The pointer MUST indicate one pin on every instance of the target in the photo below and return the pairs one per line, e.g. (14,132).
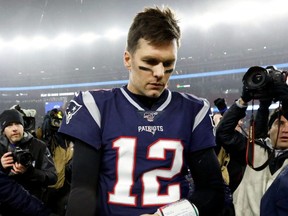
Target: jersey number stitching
(125,166)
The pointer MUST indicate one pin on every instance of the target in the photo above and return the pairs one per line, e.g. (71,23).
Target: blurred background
(50,49)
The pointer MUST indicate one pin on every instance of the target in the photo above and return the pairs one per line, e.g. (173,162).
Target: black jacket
(41,173)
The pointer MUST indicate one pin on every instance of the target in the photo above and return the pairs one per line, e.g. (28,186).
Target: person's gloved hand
(246,95)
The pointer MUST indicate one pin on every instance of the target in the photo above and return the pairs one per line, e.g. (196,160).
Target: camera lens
(25,159)
(255,77)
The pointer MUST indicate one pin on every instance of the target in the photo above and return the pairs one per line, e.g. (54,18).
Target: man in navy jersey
(134,145)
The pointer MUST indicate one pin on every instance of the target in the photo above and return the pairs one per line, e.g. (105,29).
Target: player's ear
(127,60)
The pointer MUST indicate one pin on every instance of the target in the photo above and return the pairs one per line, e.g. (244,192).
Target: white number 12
(126,156)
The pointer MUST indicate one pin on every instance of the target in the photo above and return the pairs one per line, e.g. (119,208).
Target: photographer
(271,150)
(229,159)
(24,157)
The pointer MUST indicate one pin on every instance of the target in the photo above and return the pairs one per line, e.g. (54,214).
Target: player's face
(150,67)
(282,140)
(14,132)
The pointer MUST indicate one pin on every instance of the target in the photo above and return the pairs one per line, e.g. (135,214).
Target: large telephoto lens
(255,77)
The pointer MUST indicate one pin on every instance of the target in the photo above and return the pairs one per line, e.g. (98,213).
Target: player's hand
(7,160)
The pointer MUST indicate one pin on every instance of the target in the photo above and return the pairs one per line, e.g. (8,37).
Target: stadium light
(88,38)
(237,12)
(64,40)
(40,42)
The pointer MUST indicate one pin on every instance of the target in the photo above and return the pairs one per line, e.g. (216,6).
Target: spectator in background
(271,151)
(24,157)
(232,168)
(62,151)
(134,144)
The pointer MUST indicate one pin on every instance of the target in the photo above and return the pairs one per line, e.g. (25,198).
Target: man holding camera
(265,155)
(24,157)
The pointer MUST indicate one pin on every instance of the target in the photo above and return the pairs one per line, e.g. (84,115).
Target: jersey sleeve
(82,120)
(203,130)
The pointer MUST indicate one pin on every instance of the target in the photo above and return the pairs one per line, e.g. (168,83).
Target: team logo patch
(150,115)
(71,110)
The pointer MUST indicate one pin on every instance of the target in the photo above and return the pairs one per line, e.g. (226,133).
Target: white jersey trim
(202,113)
(134,103)
(131,100)
(92,107)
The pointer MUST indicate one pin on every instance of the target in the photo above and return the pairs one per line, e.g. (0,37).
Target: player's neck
(144,100)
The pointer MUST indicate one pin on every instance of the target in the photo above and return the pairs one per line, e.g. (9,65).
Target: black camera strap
(250,148)
(250,156)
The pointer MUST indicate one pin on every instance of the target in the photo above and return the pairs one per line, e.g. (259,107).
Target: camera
(28,117)
(259,81)
(23,157)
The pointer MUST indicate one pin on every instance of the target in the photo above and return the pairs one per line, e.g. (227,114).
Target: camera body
(259,81)
(23,157)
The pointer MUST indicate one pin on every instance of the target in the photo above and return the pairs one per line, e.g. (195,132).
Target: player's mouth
(156,85)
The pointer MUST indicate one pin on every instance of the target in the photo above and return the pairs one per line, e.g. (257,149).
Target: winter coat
(41,173)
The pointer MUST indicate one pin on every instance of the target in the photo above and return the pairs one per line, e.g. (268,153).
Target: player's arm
(208,196)
(85,173)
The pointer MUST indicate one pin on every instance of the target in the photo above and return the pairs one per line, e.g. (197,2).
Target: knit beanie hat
(10,116)
(277,113)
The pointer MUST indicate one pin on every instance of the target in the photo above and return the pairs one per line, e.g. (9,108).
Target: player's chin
(154,93)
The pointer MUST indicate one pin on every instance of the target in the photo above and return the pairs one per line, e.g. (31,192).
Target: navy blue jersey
(143,149)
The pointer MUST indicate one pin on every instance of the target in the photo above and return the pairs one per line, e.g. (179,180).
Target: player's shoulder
(190,98)
(103,92)
(99,94)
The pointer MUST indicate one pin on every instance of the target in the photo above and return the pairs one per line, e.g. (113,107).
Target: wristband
(179,208)
(241,103)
